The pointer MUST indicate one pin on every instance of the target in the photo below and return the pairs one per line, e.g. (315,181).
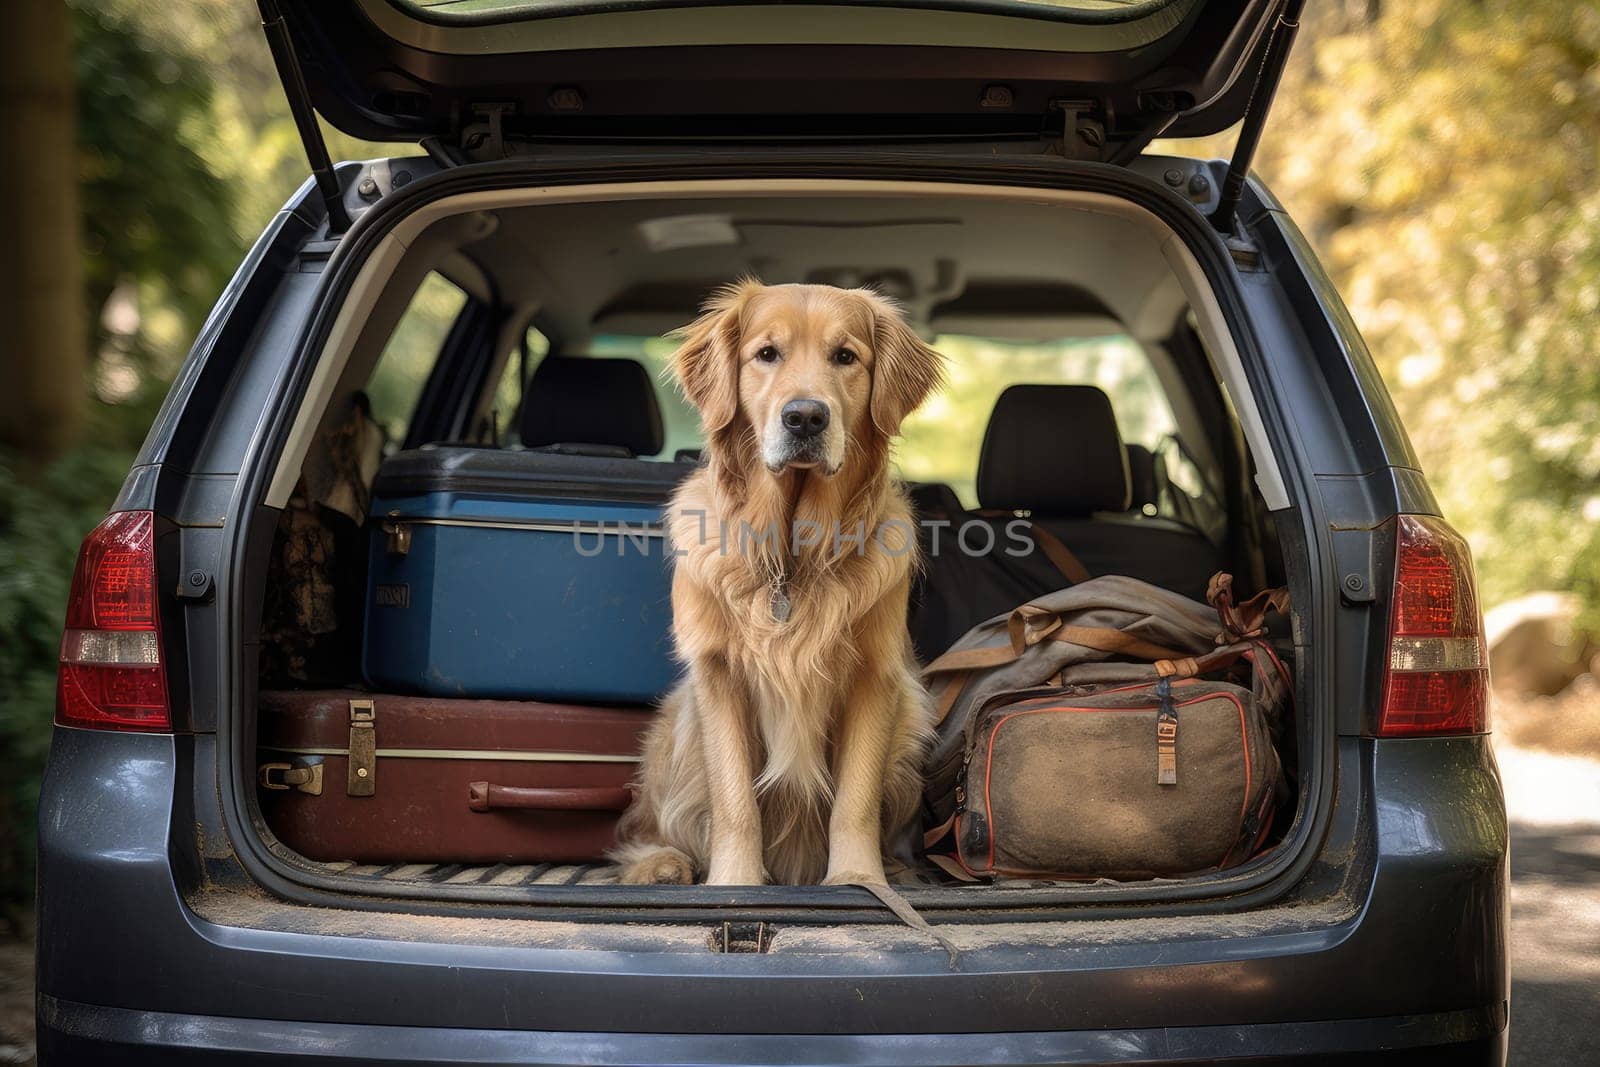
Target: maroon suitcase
(373,778)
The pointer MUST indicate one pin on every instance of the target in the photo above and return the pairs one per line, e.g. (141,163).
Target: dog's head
(809,369)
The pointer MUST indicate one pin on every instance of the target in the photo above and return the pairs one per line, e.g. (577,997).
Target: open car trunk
(429,506)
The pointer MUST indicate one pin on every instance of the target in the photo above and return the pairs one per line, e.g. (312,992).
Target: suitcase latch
(363,773)
(397,537)
(307,779)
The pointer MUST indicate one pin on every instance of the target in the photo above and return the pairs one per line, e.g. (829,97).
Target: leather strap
(1194,666)
(486,796)
(1166,735)
(1105,639)
(1247,619)
(903,911)
(971,659)
(948,696)
(1062,557)
(949,866)
(1055,550)
(1028,626)
(931,837)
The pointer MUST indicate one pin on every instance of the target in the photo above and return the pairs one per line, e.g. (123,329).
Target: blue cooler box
(508,574)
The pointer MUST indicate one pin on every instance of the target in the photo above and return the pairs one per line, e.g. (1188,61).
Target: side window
(506,408)
(680,423)
(412,349)
(943,439)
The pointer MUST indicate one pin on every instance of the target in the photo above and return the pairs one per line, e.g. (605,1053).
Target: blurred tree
(1442,157)
(41,298)
(158,224)
(155,227)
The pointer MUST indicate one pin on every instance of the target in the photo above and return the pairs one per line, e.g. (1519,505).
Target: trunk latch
(731,937)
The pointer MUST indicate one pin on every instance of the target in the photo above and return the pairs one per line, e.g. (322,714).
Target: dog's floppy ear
(707,362)
(905,369)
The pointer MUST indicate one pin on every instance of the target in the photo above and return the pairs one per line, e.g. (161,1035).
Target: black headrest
(1053,450)
(585,401)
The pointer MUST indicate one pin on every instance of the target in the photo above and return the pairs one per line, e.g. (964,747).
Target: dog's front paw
(662,866)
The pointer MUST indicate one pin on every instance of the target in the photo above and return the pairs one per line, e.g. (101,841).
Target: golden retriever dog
(795,738)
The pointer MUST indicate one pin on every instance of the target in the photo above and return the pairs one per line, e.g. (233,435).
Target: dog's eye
(767,354)
(844,357)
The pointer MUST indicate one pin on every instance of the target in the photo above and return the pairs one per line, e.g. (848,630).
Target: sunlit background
(1443,157)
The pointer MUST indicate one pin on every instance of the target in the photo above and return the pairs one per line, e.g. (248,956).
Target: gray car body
(166,934)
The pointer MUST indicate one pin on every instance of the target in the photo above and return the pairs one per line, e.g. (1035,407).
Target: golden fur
(790,747)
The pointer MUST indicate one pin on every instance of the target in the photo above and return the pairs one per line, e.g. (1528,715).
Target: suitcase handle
(486,796)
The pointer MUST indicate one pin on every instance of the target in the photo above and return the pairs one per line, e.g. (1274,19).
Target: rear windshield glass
(412,350)
(940,442)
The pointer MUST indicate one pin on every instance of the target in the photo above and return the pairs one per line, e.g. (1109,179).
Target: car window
(413,348)
(680,423)
(505,408)
(942,439)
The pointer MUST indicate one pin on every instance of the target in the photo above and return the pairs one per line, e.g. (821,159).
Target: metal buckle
(397,538)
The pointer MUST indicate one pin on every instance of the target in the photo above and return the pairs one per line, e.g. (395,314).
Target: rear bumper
(1396,939)
(81,1033)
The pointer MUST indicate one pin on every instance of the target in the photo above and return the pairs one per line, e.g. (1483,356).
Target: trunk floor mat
(493,874)
(528,874)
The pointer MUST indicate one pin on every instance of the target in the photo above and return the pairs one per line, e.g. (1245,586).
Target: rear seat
(1054,452)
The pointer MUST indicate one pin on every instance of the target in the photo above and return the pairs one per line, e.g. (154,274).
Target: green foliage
(186,150)
(154,212)
(44,514)
(408,356)
(157,221)
(1442,157)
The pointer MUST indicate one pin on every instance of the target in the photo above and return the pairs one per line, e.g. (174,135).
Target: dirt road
(1554,803)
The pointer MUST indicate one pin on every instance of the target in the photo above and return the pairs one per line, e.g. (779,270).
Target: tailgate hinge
(362,779)
(1083,129)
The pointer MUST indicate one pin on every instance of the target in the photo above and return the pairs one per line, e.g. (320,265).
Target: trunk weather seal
(1249,886)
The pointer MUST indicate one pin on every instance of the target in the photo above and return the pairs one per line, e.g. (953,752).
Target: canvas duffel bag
(1126,657)
(1153,780)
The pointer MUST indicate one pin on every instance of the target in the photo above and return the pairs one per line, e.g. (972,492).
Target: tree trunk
(43,346)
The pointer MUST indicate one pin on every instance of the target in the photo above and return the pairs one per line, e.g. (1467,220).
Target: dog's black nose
(805,418)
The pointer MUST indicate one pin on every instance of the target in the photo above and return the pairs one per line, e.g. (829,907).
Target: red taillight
(111,676)
(1438,676)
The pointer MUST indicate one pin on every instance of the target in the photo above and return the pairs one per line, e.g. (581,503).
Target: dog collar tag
(780,602)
